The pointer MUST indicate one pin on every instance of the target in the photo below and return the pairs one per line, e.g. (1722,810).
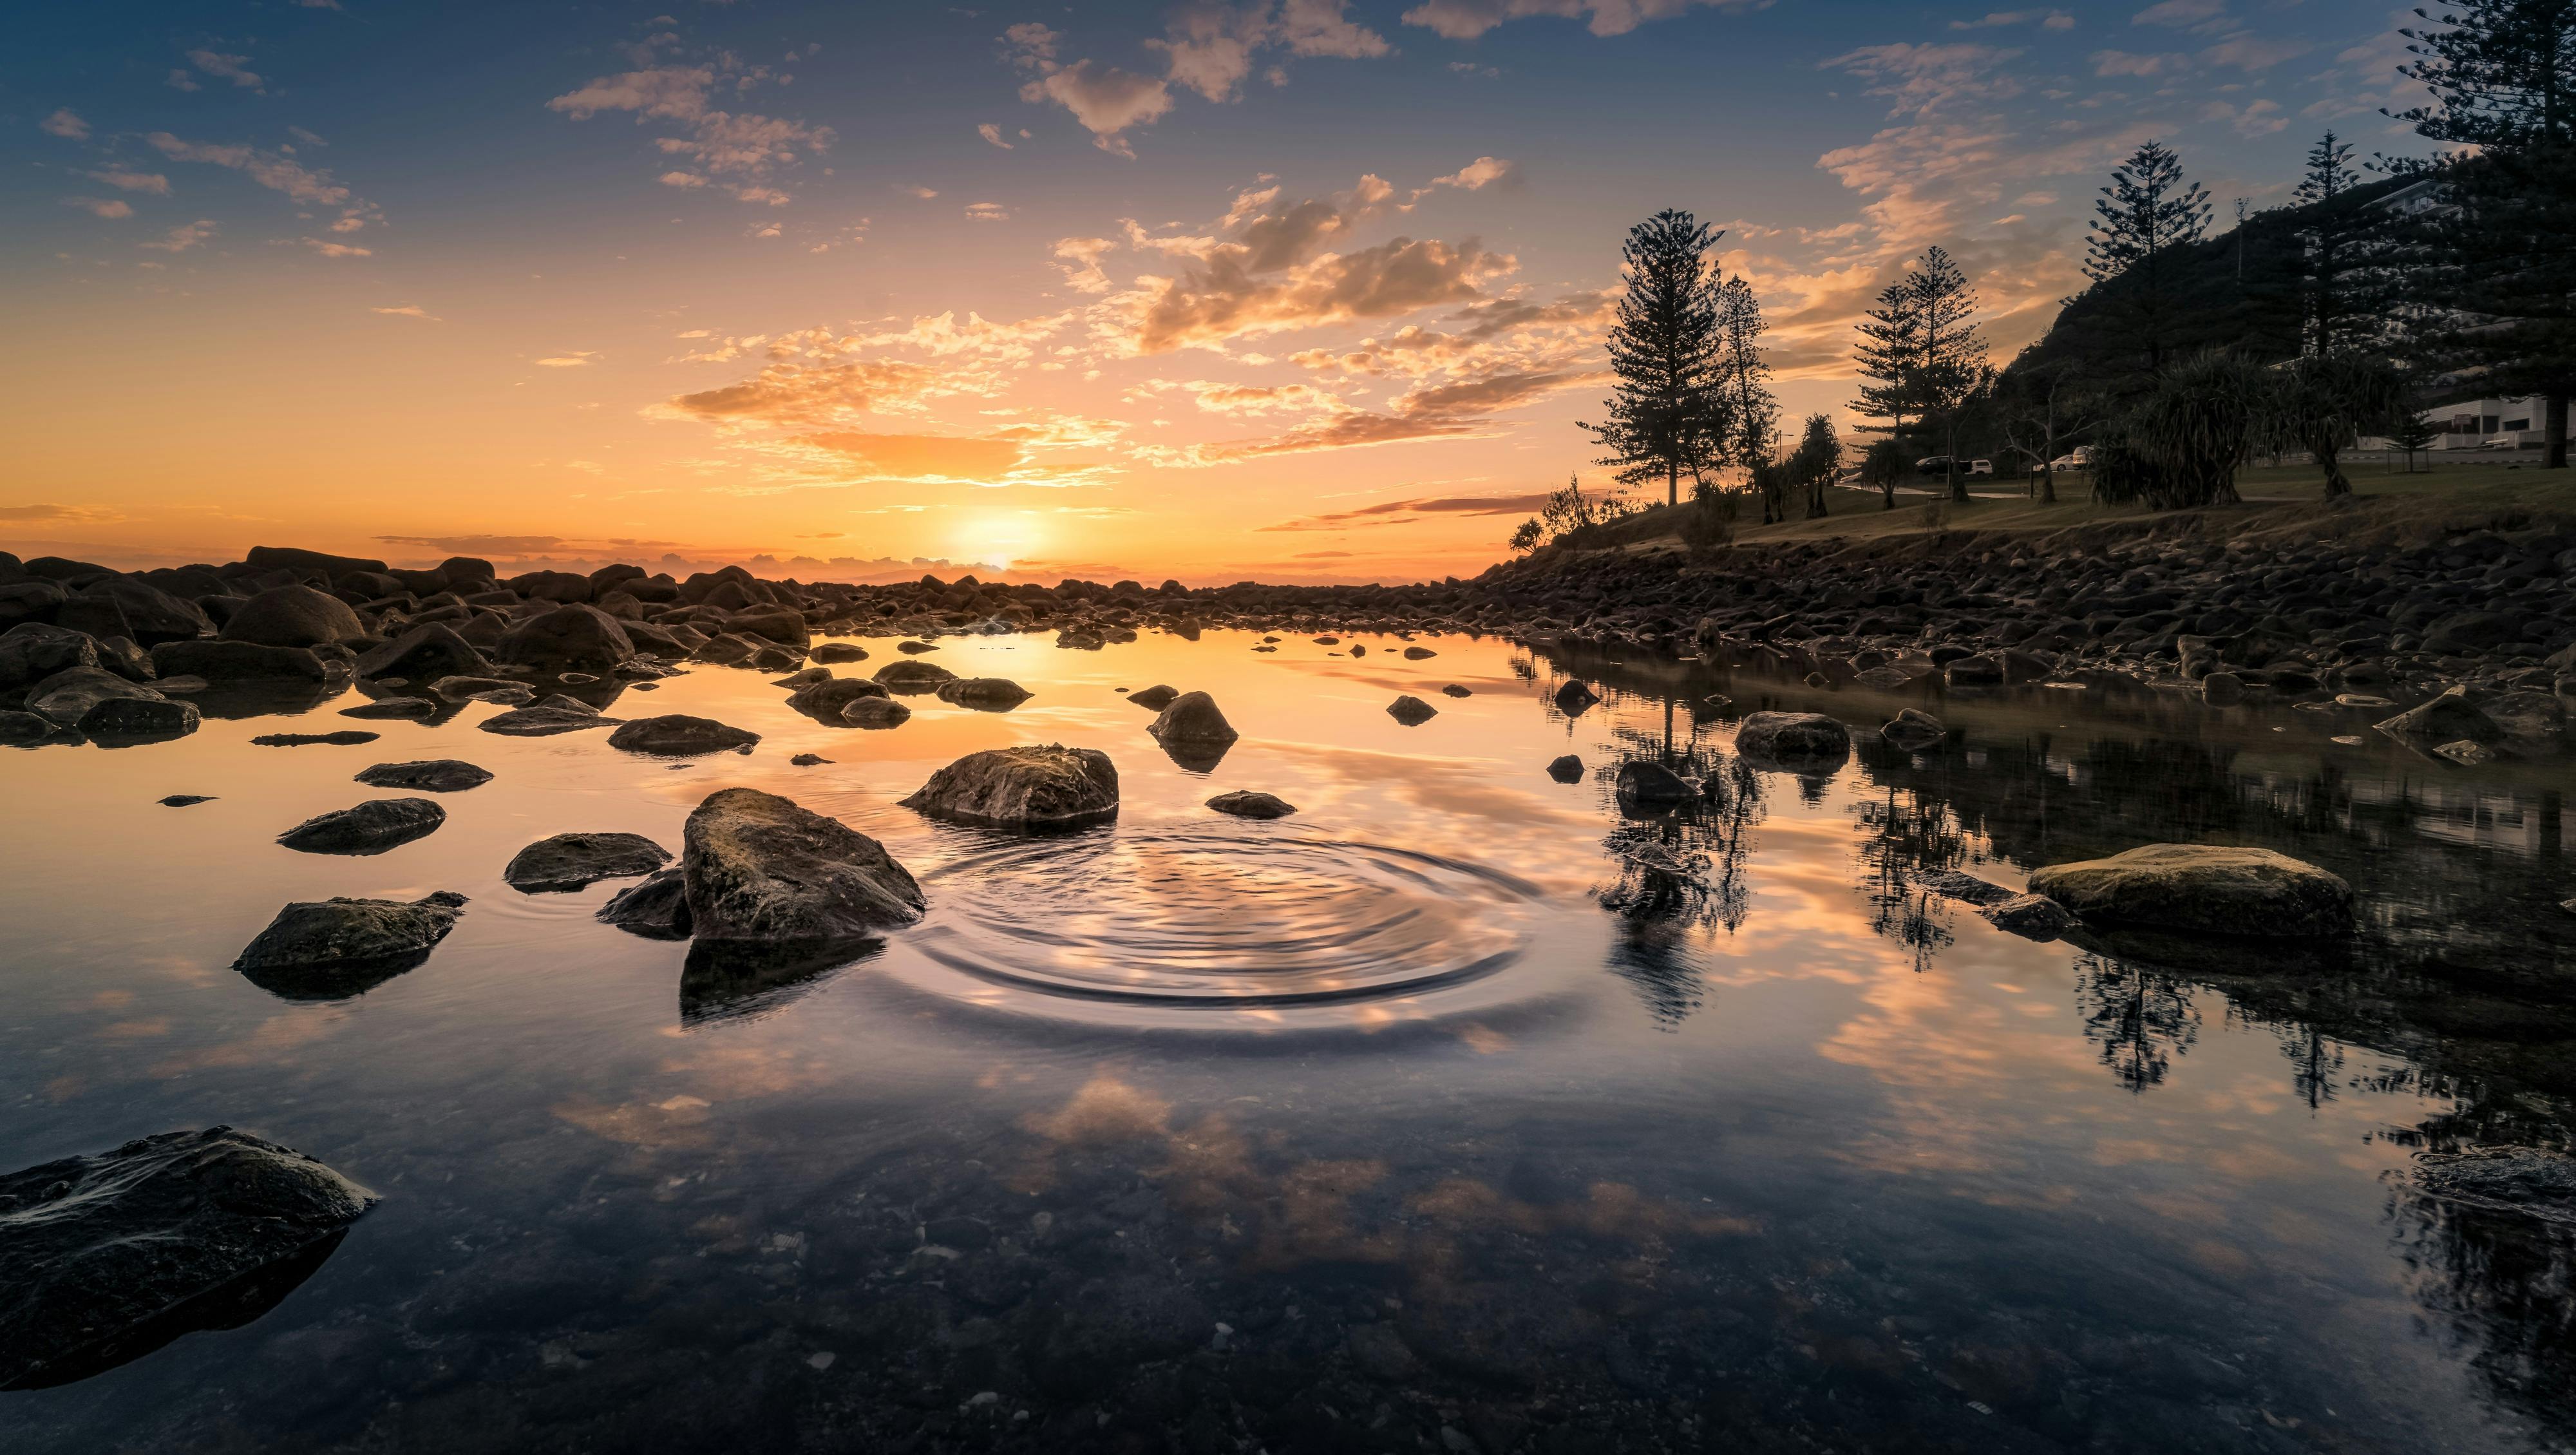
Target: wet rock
(760,868)
(425,654)
(1574,697)
(1192,717)
(1653,785)
(104,1259)
(829,700)
(913,648)
(1156,697)
(2538,718)
(576,638)
(2447,718)
(1805,741)
(1411,711)
(2534,1181)
(875,712)
(2220,689)
(913,676)
(68,696)
(1379,1352)
(799,681)
(1454,690)
(1974,672)
(1079,641)
(2031,916)
(1567,769)
(985,694)
(344,738)
(243,662)
(185,800)
(139,719)
(657,908)
(1252,803)
(25,727)
(1968,888)
(32,651)
(504,690)
(372,827)
(1025,788)
(808,760)
(829,652)
(2468,753)
(572,861)
(426,775)
(293,616)
(332,934)
(1416,654)
(2203,888)
(678,734)
(1913,730)
(1883,678)
(556,714)
(393,707)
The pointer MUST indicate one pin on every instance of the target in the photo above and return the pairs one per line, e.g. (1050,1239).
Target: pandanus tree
(2181,446)
(2322,402)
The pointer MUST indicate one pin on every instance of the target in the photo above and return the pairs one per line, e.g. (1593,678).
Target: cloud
(1209,48)
(928,457)
(180,80)
(787,393)
(330,249)
(1468,19)
(1992,19)
(309,138)
(1079,261)
(1105,99)
(570,359)
(181,238)
(1446,411)
(743,146)
(2125,63)
(992,132)
(987,212)
(1476,176)
(1921,79)
(152,182)
(1402,512)
(2254,53)
(268,169)
(56,515)
(235,69)
(409,310)
(683,179)
(64,123)
(96,207)
(2179,12)
(915,189)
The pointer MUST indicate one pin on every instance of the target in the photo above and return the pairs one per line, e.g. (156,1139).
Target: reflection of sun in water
(1000,538)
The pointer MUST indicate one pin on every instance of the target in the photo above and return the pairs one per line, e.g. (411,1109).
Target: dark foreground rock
(1155,698)
(344,738)
(677,734)
(875,712)
(1411,711)
(185,800)
(426,775)
(657,908)
(139,719)
(2534,1181)
(104,1259)
(1028,788)
(1566,769)
(566,862)
(1652,785)
(323,949)
(393,709)
(1801,740)
(2031,916)
(913,675)
(984,694)
(2203,888)
(1913,730)
(759,868)
(369,828)
(1192,718)
(557,714)
(1252,803)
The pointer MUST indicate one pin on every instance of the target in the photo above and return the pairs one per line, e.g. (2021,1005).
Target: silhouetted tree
(2141,1018)
(1666,414)
(1567,511)
(2141,217)
(1817,461)
(1890,358)
(1743,386)
(2343,271)
(2044,413)
(2322,402)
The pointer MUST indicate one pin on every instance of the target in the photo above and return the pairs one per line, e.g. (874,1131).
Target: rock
(1974,672)
(292,616)
(502,690)
(1357,650)
(915,647)
(333,933)
(1803,740)
(1883,678)
(799,681)
(1028,788)
(913,676)
(1252,803)
(2219,689)
(1653,784)
(242,662)
(808,760)
(1411,711)
(68,696)
(135,719)
(2031,916)
(1416,654)
(1574,698)
(2468,753)
(1454,690)
(2205,888)
(1080,641)
(759,868)
(1567,769)
(1192,717)
(557,714)
(1913,730)
(1379,1352)
(2535,1181)
(185,800)
(828,700)
(372,827)
(1156,697)
(678,734)
(344,738)
(875,712)
(1951,884)
(985,694)
(426,775)
(104,1259)
(2528,717)
(576,638)
(657,908)
(32,651)
(393,707)
(425,654)
(578,860)
(2447,718)
(839,652)
(25,727)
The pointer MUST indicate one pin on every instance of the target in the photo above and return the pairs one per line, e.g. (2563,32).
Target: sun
(1000,539)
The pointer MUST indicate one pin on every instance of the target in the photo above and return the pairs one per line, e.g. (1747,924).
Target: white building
(2494,424)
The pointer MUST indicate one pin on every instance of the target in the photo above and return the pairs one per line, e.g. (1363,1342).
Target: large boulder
(1192,718)
(825,701)
(657,908)
(2204,888)
(152,616)
(130,720)
(677,734)
(293,616)
(1801,740)
(1029,787)
(913,675)
(761,869)
(984,694)
(296,558)
(66,697)
(572,861)
(578,638)
(1252,803)
(104,1259)
(371,827)
(322,935)
(425,654)
(32,651)
(556,714)
(219,661)
(426,775)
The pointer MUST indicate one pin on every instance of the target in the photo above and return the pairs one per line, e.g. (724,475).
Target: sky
(1288,290)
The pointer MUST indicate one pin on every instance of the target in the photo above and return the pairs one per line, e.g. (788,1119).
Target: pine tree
(1665,414)
(2498,256)
(1816,461)
(2146,213)
(1743,388)
(1950,366)
(2342,297)
(1891,348)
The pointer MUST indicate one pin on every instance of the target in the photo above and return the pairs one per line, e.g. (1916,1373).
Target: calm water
(1362,1129)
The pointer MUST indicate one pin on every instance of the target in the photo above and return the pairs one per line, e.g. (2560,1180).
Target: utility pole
(2240,244)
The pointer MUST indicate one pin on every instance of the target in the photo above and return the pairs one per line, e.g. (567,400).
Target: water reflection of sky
(1794,1130)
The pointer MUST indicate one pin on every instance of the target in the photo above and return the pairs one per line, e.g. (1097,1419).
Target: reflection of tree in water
(1908,835)
(2505,1283)
(2314,1064)
(2142,1017)
(1679,873)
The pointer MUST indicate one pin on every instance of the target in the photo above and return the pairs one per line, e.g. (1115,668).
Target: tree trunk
(2555,432)
(2336,484)
(2047,484)
(1672,482)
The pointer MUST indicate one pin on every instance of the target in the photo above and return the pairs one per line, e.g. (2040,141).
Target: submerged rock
(985,694)
(839,652)
(370,828)
(2031,916)
(344,738)
(2205,888)
(678,734)
(104,1259)
(312,935)
(557,714)
(1567,769)
(2448,718)
(761,868)
(1951,884)
(1574,697)
(875,712)
(830,700)
(1157,697)
(1030,787)
(504,690)
(657,908)
(185,800)
(67,696)
(1192,717)
(426,775)
(1411,711)
(1454,690)
(393,707)
(1802,741)
(913,676)
(572,861)
(1653,784)
(1252,803)
(1913,730)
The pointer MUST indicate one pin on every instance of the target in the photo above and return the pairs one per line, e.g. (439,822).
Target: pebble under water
(1459,1111)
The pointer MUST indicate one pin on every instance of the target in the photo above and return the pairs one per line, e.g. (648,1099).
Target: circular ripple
(1181,920)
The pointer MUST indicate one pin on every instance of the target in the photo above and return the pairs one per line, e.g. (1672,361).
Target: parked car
(1940,465)
(1979,467)
(2078,458)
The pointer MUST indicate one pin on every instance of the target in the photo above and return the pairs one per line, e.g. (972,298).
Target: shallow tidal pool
(1424,1118)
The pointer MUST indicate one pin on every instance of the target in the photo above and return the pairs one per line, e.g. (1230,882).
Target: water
(1359,1129)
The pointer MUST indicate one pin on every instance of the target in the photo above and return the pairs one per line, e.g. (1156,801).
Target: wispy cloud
(409,310)
(65,123)
(109,207)
(1468,19)
(152,182)
(741,148)
(183,237)
(235,69)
